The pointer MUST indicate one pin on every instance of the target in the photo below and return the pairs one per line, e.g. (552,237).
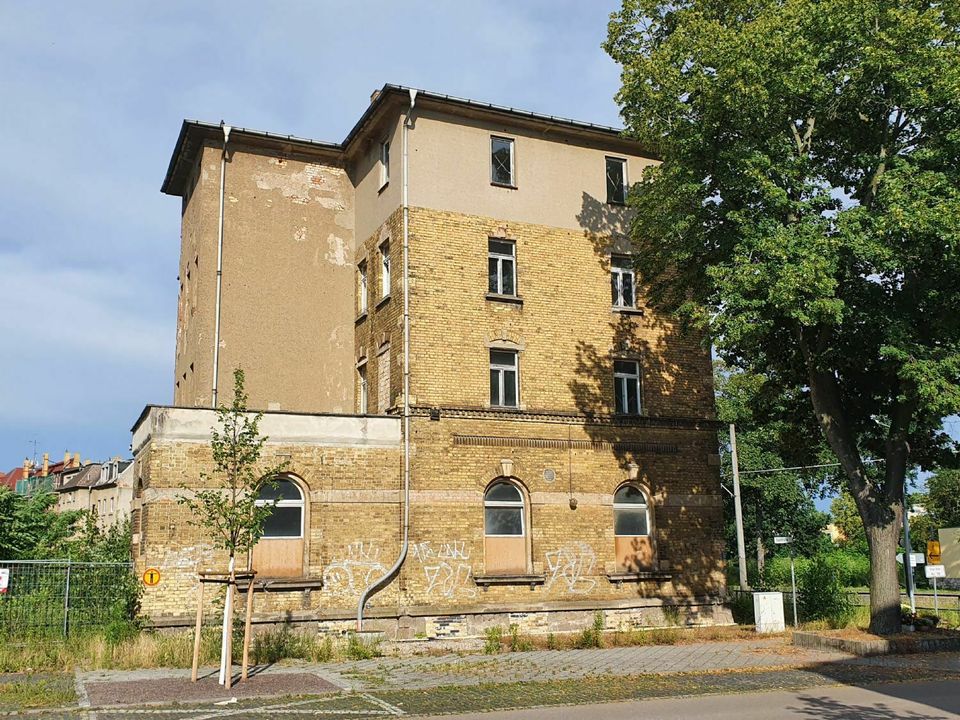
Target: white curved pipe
(382,582)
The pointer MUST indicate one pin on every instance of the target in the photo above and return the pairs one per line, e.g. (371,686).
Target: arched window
(504,529)
(286,520)
(631,529)
(281,550)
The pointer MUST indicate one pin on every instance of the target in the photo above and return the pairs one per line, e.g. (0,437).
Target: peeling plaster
(337,254)
(301,234)
(318,183)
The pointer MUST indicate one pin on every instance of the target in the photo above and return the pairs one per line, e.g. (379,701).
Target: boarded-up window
(279,553)
(504,529)
(383,380)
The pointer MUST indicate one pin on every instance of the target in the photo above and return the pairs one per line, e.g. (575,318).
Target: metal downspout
(216,309)
(392,572)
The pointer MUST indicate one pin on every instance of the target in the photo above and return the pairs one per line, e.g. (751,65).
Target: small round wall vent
(549,475)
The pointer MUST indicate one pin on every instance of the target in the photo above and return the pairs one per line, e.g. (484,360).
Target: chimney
(46,465)
(76,459)
(66,459)
(26,468)
(374,95)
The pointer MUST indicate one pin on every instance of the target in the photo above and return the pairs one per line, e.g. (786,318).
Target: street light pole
(738,511)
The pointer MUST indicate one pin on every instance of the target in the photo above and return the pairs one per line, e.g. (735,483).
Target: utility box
(768,612)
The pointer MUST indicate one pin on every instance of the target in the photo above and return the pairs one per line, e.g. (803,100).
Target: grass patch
(30,692)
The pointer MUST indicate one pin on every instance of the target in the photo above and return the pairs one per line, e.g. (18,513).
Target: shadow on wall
(676,381)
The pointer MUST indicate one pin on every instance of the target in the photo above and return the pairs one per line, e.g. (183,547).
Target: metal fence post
(66,603)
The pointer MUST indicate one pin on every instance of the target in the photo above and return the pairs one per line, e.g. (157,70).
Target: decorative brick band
(565,418)
(563,444)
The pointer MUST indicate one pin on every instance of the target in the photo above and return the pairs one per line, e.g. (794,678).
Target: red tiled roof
(10,479)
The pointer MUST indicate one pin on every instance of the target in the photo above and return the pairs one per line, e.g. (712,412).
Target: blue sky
(94,93)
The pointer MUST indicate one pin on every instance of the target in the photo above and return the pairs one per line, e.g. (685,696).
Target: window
(631,530)
(504,529)
(630,512)
(616,181)
(384,162)
(362,286)
(501,161)
(364,394)
(503,378)
(626,382)
(622,282)
(385,269)
(286,520)
(280,552)
(501,266)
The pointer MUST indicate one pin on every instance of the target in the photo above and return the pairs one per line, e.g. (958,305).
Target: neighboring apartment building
(45,477)
(106,489)
(560,436)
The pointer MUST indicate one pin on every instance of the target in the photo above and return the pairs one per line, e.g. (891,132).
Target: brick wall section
(565,324)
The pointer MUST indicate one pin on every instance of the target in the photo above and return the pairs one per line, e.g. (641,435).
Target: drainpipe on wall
(391,573)
(216,309)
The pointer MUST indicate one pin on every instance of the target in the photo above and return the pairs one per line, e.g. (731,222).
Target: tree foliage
(32,529)
(807,212)
(942,501)
(773,503)
(226,504)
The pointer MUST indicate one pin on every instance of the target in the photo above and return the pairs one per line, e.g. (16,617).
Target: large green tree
(807,212)
(774,503)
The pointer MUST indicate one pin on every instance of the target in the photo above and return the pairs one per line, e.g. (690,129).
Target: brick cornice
(566,418)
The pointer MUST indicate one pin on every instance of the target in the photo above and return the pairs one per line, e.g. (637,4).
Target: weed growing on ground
(592,637)
(360,649)
(493,637)
(519,643)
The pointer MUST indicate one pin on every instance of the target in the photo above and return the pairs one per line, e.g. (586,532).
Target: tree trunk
(884,581)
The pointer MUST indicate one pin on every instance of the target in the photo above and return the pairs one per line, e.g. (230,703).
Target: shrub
(823,593)
(494,636)
(741,607)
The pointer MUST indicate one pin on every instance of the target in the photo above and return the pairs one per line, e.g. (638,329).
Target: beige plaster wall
(287,296)
(560,183)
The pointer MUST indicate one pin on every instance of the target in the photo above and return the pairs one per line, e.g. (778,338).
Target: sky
(94,94)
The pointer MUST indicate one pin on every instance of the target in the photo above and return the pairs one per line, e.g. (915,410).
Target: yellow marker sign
(933,552)
(151,577)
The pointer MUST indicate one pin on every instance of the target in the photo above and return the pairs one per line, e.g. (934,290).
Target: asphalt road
(913,701)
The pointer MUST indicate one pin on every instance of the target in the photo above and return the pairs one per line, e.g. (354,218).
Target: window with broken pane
(501,267)
(622,292)
(501,161)
(616,180)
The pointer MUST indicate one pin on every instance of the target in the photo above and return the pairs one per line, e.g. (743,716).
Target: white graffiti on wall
(445,567)
(571,565)
(356,571)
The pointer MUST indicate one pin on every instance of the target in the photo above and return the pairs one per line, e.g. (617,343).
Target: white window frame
(521,503)
(384,163)
(633,507)
(626,184)
(616,274)
(501,369)
(513,162)
(500,257)
(384,248)
(286,503)
(362,283)
(624,378)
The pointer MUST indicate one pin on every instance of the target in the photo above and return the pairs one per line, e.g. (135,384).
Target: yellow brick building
(440,318)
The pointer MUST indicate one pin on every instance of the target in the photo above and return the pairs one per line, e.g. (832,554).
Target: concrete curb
(867,648)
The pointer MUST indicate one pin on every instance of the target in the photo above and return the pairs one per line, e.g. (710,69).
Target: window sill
(383,187)
(510,299)
(486,581)
(382,301)
(281,584)
(361,317)
(637,577)
(505,408)
(505,186)
(620,203)
(626,310)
